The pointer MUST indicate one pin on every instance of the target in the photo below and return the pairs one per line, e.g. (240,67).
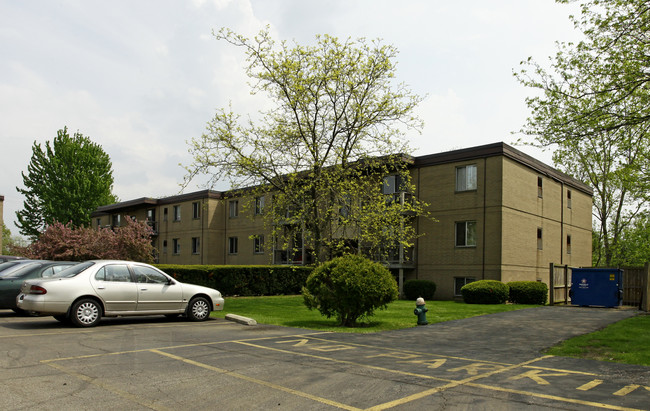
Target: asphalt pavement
(489,362)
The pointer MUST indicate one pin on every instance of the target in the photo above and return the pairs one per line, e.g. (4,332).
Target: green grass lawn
(626,341)
(290,311)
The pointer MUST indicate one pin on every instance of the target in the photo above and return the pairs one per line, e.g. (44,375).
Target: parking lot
(161,364)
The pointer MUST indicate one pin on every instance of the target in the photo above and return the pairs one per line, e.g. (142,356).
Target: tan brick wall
(506,227)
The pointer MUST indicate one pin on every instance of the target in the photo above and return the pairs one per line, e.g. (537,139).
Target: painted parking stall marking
(403,376)
(526,378)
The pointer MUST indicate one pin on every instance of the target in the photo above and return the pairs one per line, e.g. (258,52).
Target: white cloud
(142,78)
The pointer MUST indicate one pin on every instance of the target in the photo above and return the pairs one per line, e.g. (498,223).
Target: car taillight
(36,289)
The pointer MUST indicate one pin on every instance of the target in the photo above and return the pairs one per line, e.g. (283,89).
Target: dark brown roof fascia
(501,149)
(148,201)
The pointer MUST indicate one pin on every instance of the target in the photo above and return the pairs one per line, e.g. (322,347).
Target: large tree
(66,181)
(593,109)
(335,131)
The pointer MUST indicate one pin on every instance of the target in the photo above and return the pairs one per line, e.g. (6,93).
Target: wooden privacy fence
(636,285)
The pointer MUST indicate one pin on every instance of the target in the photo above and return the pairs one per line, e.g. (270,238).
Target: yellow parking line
(169,347)
(408,351)
(372,367)
(554,397)
(259,382)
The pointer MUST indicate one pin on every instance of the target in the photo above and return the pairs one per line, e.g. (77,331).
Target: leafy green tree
(593,108)
(322,152)
(65,181)
(349,288)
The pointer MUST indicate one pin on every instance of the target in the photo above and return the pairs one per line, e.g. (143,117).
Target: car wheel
(86,313)
(62,318)
(199,309)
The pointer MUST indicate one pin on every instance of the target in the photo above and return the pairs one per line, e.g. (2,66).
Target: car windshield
(74,270)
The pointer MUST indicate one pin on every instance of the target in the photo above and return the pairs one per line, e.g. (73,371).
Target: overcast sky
(141,78)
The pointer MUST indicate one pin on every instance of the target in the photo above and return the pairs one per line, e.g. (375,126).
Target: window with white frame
(568,244)
(392,184)
(258,244)
(568,198)
(466,234)
(540,240)
(196,245)
(460,282)
(177,213)
(234,208)
(466,178)
(232,245)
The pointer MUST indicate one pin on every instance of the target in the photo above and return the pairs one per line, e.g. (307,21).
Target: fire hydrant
(421,311)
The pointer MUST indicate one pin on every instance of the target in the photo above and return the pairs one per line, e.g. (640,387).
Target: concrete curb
(241,320)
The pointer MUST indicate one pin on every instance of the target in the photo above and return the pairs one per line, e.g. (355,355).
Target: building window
(99,222)
(116,220)
(232,245)
(392,184)
(459,282)
(196,210)
(196,245)
(568,198)
(540,190)
(568,244)
(164,247)
(466,234)
(540,242)
(176,246)
(259,205)
(151,214)
(466,178)
(258,244)
(177,213)
(234,208)
(165,214)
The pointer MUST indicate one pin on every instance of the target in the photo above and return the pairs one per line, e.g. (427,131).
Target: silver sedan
(86,292)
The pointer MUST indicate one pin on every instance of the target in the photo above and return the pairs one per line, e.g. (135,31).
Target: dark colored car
(10,258)
(8,266)
(10,284)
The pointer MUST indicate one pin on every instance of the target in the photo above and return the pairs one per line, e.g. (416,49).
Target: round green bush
(528,292)
(349,288)
(485,292)
(419,288)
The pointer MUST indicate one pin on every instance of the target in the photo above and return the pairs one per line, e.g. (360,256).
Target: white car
(86,292)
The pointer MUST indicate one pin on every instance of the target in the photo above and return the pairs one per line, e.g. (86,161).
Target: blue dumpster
(597,286)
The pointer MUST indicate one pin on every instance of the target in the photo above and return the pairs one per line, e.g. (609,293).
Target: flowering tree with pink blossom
(64,242)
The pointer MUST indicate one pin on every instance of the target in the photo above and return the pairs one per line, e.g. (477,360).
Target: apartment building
(500,214)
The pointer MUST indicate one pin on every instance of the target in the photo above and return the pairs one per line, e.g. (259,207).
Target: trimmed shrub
(349,288)
(485,292)
(528,292)
(243,280)
(419,288)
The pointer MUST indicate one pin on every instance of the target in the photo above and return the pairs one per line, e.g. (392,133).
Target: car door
(114,284)
(155,290)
